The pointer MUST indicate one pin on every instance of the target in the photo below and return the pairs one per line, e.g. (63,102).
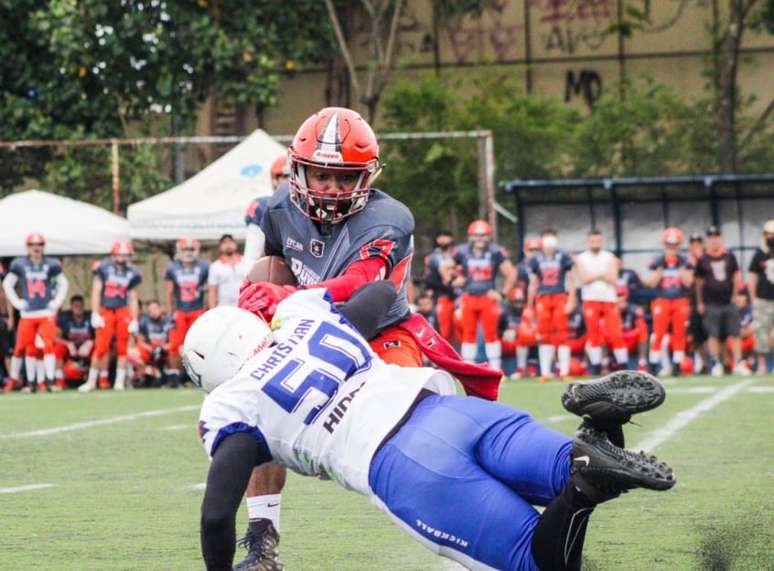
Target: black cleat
(615,397)
(262,543)
(603,471)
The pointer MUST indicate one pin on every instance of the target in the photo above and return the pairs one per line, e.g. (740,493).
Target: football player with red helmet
(338,232)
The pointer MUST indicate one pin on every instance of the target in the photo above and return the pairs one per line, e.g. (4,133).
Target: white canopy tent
(70,227)
(212,202)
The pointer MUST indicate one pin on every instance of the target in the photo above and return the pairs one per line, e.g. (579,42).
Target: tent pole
(116,178)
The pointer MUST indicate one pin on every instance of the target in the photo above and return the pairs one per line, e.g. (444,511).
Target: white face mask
(550,242)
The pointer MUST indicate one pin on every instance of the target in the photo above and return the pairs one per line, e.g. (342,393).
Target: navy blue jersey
(671,286)
(480,267)
(382,229)
(75,330)
(190,283)
(155,331)
(256,209)
(510,318)
(576,326)
(522,277)
(36,280)
(117,281)
(432,274)
(630,281)
(745,316)
(551,271)
(630,316)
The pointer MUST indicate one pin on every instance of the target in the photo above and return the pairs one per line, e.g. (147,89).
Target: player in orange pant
(672,274)
(479,262)
(518,331)
(552,291)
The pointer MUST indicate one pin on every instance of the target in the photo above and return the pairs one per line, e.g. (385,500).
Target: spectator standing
(115,308)
(717,276)
(226,274)
(43,289)
(760,283)
(186,285)
(552,293)
(75,341)
(439,272)
(597,270)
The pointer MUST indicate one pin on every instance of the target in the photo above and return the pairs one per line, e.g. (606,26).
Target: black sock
(557,544)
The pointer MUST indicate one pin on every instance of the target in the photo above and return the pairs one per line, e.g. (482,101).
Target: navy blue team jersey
(255,210)
(432,274)
(670,286)
(73,330)
(36,280)
(382,229)
(117,281)
(155,331)
(190,283)
(480,269)
(551,271)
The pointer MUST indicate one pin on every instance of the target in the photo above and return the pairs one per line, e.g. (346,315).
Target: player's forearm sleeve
(232,464)
(255,243)
(9,285)
(61,290)
(368,305)
(356,275)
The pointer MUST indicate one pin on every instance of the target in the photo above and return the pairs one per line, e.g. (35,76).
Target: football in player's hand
(272,269)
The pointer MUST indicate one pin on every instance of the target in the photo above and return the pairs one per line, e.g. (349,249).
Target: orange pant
(477,308)
(444,311)
(525,337)
(600,315)
(29,327)
(116,323)
(674,312)
(183,322)
(551,319)
(396,346)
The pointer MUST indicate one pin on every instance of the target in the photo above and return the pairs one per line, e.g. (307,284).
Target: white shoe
(119,386)
(717,369)
(741,368)
(87,387)
(515,376)
(665,372)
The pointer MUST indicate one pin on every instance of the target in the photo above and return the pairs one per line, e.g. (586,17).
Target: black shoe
(615,397)
(262,543)
(603,471)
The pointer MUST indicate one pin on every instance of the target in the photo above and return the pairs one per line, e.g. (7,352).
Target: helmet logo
(329,143)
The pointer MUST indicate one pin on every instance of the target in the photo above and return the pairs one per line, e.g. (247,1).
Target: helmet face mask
(187,250)
(122,252)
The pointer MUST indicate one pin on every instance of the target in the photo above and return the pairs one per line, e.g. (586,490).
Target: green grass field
(123,494)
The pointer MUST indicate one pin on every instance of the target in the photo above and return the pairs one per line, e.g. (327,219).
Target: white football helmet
(220,342)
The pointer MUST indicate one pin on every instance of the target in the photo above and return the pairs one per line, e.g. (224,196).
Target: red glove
(262,298)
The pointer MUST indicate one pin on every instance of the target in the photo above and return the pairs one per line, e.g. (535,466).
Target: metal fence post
(115,166)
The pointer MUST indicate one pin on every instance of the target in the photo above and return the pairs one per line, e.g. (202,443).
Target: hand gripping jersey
(117,280)
(155,331)
(36,280)
(73,330)
(671,286)
(551,271)
(433,280)
(480,269)
(256,209)
(190,283)
(382,229)
(318,400)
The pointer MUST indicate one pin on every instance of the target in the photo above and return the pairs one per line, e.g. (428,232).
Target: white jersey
(227,278)
(600,263)
(318,400)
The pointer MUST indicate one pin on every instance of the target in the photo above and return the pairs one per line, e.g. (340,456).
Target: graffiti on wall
(493,36)
(565,25)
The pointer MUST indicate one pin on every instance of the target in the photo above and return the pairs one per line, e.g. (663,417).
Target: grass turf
(124,494)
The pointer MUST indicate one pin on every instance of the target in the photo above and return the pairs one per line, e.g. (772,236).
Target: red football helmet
(187,249)
(122,248)
(280,167)
(35,238)
(531,244)
(340,139)
(673,236)
(479,228)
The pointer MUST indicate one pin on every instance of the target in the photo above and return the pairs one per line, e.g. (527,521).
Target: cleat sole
(614,397)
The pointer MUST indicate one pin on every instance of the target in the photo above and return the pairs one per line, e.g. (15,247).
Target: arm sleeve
(368,305)
(431,275)
(9,287)
(356,275)
(255,243)
(232,464)
(61,290)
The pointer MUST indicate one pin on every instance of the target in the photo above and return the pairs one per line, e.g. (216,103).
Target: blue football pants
(462,474)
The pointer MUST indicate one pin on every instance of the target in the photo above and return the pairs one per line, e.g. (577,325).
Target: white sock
(563,353)
(16,367)
(468,352)
(494,353)
(31,367)
(595,355)
(41,368)
(92,378)
(621,355)
(265,507)
(521,357)
(678,357)
(546,357)
(654,356)
(49,364)
(665,364)
(120,379)
(698,361)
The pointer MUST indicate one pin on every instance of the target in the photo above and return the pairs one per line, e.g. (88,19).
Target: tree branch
(343,47)
(393,34)
(758,125)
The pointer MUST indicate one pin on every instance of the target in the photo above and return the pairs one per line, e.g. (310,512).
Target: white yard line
(559,418)
(27,488)
(761,389)
(685,417)
(691,390)
(200,486)
(188,426)
(98,422)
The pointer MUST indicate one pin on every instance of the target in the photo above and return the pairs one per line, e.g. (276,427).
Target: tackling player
(313,396)
(254,241)
(672,274)
(114,312)
(335,231)
(438,275)
(480,261)
(186,278)
(43,289)
(552,293)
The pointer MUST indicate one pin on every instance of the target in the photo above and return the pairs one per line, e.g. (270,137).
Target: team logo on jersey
(317,248)
(392,344)
(292,244)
